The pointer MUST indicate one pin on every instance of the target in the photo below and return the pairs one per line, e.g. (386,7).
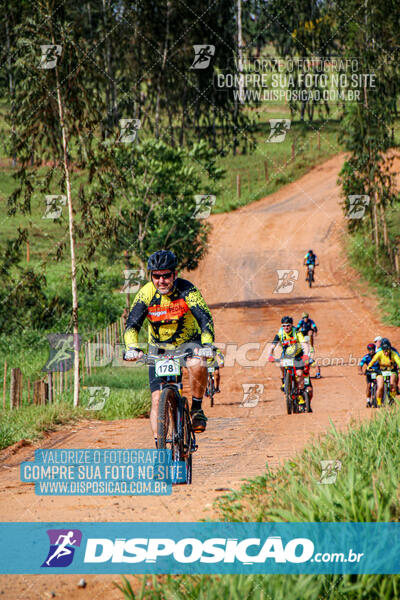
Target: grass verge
(128,398)
(378,274)
(366,489)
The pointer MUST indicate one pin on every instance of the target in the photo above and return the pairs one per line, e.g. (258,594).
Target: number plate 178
(167,367)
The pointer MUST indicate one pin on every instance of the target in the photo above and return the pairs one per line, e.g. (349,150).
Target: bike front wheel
(288,392)
(167,426)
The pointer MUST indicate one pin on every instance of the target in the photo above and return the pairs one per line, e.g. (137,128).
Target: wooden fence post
(238,185)
(14,387)
(50,384)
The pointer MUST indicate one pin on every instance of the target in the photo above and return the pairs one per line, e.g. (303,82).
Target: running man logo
(203,55)
(286,280)
(62,547)
(279,129)
(61,352)
(252,393)
(54,206)
(129,129)
(357,206)
(330,469)
(204,204)
(97,397)
(50,54)
(133,280)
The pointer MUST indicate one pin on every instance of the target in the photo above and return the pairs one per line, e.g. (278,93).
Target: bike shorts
(155,381)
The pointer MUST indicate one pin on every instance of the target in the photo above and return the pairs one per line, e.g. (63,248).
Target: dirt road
(239,280)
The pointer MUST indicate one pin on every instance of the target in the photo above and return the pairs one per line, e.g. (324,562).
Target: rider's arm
(201,313)
(275,342)
(137,315)
(313,326)
(396,358)
(304,344)
(299,324)
(363,362)
(374,360)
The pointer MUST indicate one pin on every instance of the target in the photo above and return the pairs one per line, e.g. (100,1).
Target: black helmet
(371,347)
(385,344)
(162,259)
(288,320)
(310,252)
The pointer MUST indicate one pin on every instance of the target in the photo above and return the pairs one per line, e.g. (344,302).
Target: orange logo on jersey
(172,312)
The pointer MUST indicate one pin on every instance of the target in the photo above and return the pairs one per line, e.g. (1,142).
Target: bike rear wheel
(188,441)
(307,401)
(288,392)
(309,278)
(211,389)
(374,403)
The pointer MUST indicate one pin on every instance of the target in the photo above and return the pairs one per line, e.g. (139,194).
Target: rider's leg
(155,397)
(198,374)
(379,389)
(393,385)
(217,379)
(300,379)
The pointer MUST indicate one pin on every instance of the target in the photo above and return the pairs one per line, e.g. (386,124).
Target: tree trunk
(10,82)
(71,238)
(240,50)
(164,60)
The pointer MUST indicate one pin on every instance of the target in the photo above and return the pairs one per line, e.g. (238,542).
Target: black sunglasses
(157,276)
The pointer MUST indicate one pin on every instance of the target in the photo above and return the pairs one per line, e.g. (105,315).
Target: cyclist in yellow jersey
(293,344)
(177,314)
(388,360)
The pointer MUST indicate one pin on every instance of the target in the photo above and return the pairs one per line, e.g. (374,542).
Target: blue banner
(105,472)
(219,548)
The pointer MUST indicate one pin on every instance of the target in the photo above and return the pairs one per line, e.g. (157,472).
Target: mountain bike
(310,274)
(174,425)
(373,388)
(387,396)
(210,391)
(292,393)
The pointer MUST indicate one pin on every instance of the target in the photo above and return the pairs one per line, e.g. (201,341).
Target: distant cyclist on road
(287,336)
(177,314)
(388,360)
(308,327)
(366,359)
(310,259)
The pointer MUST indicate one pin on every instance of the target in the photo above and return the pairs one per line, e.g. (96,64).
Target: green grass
(377,274)
(366,489)
(277,157)
(30,422)
(129,398)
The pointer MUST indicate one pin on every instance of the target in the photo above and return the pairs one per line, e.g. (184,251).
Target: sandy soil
(238,279)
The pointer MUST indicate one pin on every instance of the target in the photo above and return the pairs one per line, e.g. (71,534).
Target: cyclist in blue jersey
(366,359)
(310,259)
(308,328)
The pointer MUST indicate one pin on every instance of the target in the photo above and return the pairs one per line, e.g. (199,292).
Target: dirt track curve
(238,279)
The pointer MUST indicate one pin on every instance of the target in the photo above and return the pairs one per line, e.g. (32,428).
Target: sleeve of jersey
(202,314)
(396,358)
(136,317)
(373,361)
(276,339)
(364,360)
